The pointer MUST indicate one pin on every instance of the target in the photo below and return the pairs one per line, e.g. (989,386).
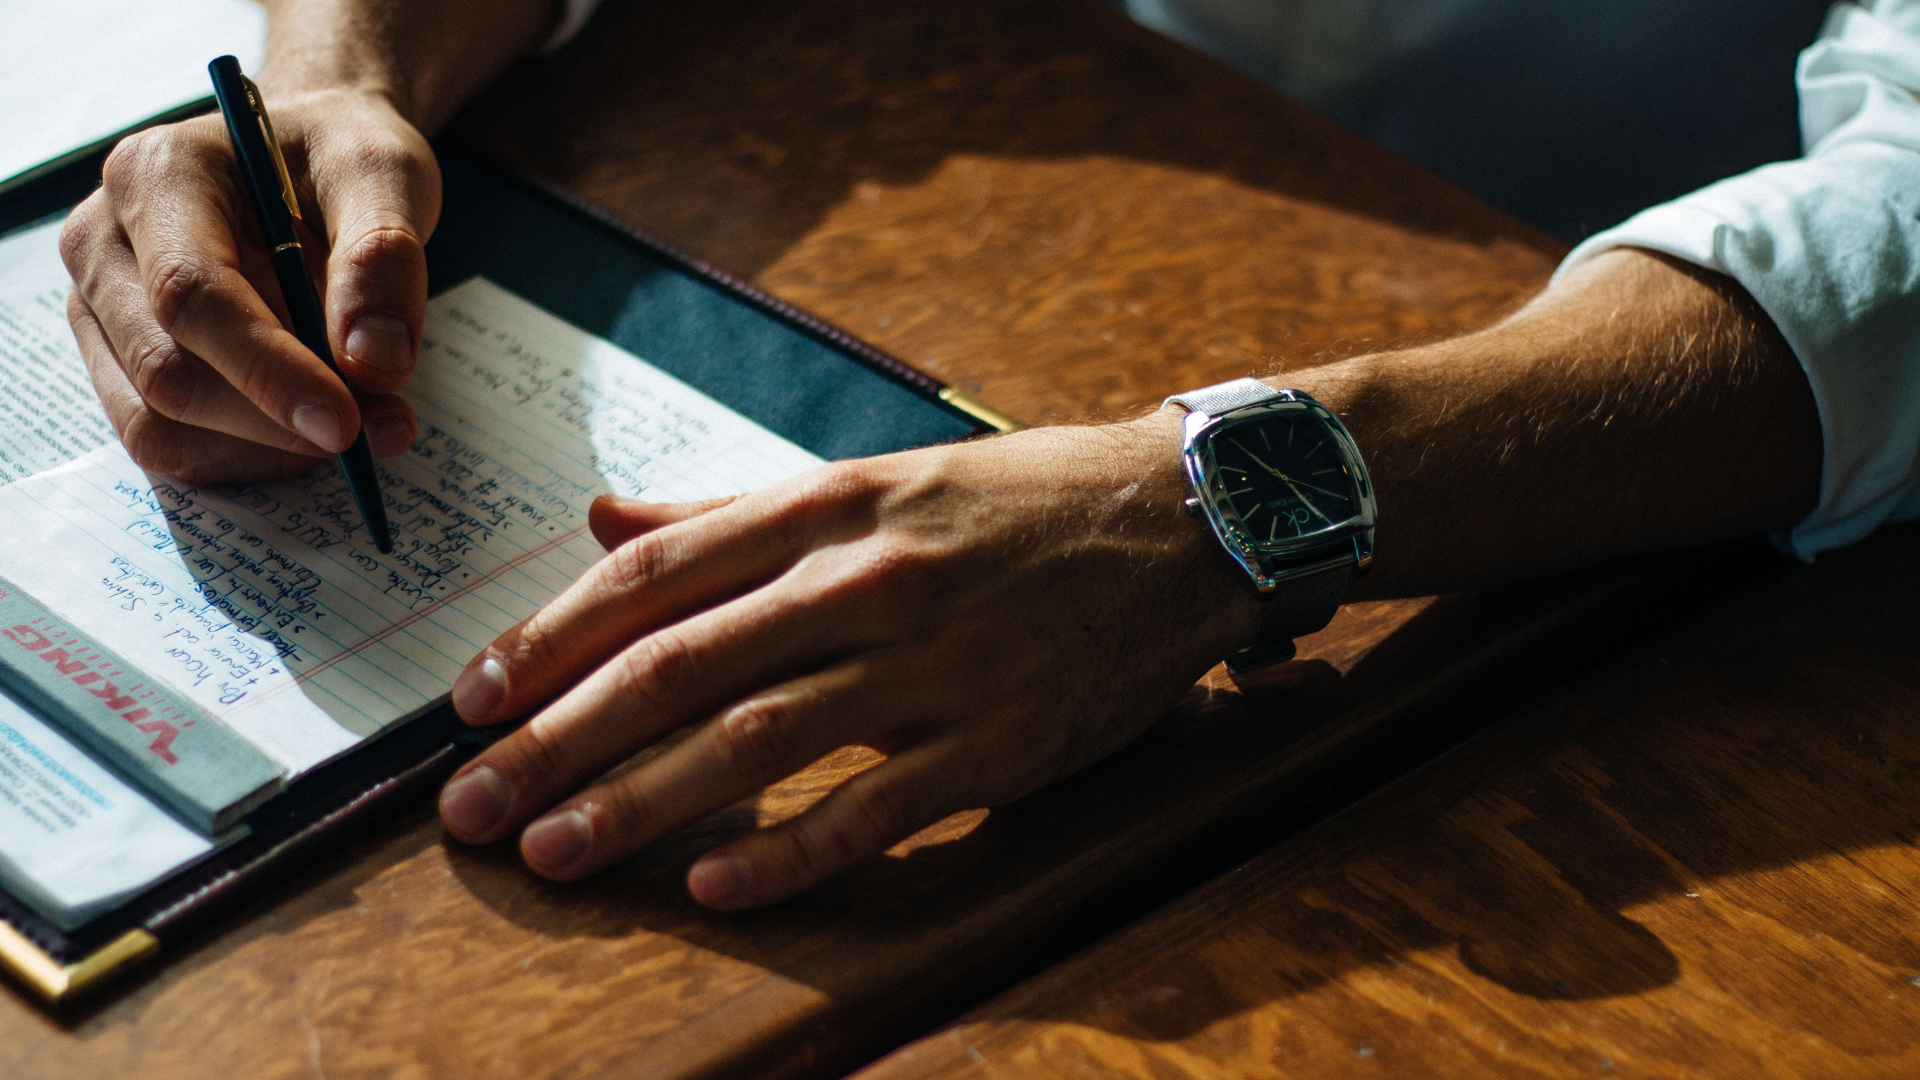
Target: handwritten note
(268,605)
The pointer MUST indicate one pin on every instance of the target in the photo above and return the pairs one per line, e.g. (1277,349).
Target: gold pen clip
(273,147)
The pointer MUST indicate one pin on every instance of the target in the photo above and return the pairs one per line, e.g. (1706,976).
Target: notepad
(266,607)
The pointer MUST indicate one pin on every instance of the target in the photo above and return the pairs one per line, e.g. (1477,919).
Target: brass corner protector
(56,982)
(979,410)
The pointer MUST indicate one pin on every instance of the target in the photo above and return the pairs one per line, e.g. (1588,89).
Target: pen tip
(385,546)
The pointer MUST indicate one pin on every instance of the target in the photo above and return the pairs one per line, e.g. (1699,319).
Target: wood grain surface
(1699,861)
(1039,202)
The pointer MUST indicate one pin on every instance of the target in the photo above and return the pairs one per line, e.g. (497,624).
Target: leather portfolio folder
(789,372)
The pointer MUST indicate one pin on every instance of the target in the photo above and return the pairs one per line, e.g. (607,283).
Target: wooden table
(1045,205)
(1698,861)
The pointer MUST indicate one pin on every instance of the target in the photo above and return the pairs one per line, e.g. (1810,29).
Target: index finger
(644,584)
(180,211)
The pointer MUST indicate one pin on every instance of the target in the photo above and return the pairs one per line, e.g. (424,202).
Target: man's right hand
(177,311)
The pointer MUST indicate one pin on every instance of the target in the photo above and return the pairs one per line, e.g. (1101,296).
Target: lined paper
(269,606)
(266,604)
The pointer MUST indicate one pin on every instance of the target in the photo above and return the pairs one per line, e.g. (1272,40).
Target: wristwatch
(1281,483)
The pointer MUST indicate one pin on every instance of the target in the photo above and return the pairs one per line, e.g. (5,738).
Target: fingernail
(320,426)
(475,803)
(480,690)
(381,342)
(556,841)
(718,881)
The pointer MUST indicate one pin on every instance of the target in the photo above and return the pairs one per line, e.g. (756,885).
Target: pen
(271,191)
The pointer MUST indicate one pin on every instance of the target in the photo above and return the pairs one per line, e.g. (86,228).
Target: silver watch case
(1271,564)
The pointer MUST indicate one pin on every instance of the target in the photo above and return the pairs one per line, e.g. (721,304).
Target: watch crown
(1193,507)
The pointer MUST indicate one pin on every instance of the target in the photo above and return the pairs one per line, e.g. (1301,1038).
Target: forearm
(993,615)
(426,57)
(1640,404)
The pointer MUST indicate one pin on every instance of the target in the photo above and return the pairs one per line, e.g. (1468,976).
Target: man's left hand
(991,616)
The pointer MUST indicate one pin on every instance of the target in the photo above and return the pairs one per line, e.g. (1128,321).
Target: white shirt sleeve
(573,15)
(1829,245)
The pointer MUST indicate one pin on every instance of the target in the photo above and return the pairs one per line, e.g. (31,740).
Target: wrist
(1226,605)
(304,102)
(423,58)
(1284,490)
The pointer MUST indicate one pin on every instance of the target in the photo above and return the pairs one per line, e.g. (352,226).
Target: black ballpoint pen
(270,189)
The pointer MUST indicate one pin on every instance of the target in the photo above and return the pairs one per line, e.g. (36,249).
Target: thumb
(616,519)
(379,218)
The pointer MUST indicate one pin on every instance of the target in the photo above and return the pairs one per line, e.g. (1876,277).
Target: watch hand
(1304,501)
(1304,484)
(1289,481)
(1257,461)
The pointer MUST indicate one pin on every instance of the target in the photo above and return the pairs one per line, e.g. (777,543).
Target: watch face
(1281,476)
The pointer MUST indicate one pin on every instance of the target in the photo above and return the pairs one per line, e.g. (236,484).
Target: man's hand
(991,616)
(178,315)
(174,302)
(997,614)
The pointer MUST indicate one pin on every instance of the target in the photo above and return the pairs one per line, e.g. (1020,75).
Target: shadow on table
(1226,776)
(1745,762)
(735,128)
(1528,856)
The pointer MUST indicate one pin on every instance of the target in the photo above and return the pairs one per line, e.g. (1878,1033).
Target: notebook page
(268,604)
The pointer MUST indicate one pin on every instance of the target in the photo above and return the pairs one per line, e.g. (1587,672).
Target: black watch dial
(1281,477)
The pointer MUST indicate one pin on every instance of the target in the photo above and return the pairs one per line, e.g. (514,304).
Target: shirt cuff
(1825,246)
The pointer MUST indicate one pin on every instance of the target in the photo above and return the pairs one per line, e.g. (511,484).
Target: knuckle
(756,737)
(890,564)
(809,850)
(163,374)
(184,149)
(637,563)
(178,282)
(381,247)
(653,670)
(794,860)
(887,580)
(619,807)
(878,813)
(123,166)
(385,152)
(836,484)
(825,500)
(536,647)
(152,443)
(77,235)
(539,757)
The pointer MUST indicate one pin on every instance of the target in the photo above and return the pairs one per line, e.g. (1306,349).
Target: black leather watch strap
(1293,609)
